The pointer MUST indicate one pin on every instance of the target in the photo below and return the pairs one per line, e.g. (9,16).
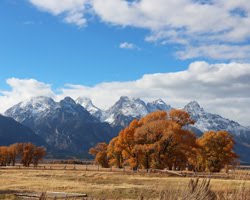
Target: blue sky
(38,45)
(177,50)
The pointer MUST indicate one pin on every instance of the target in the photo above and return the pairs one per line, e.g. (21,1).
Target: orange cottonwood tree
(126,140)
(14,152)
(100,153)
(160,140)
(38,155)
(163,141)
(27,154)
(156,141)
(114,153)
(217,150)
(4,156)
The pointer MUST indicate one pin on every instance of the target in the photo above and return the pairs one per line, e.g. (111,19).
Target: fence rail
(54,195)
(76,167)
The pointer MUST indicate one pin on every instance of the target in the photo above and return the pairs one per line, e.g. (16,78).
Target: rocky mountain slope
(90,107)
(66,126)
(205,121)
(158,104)
(126,109)
(12,132)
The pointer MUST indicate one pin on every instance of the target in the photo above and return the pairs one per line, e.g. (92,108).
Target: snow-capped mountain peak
(125,109)
(133,107)
(124,98)
(87,104)
(90,107)
(68,100)
(35,106)
(84,101)
(205,121)
(69,105)
(194,108)
(159,101)
(38,102)
(158,104)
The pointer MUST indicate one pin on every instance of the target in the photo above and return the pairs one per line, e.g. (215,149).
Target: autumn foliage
(28,153)
(216,150)
(100,153)
(161,140)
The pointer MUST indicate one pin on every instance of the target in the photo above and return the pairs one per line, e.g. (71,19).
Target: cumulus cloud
(219,52)
(127,45)
(190,23)
(72,11)
(22,89)
(219,88)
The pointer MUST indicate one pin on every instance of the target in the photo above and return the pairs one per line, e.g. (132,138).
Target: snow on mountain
(121,113)
(205,121)
(65,125)
(158,104)
(128,108)
(133,107)
(90,107)
(36,107)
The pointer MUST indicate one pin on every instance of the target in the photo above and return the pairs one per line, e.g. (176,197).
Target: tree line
(28,153)
(162,140)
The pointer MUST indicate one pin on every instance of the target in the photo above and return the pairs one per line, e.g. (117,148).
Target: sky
(177,50)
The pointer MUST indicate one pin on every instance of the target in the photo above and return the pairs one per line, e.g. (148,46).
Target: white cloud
(72,11)
(191,23)
(76,18)
(22,89)
(127,45)
(220,88)
(228,52)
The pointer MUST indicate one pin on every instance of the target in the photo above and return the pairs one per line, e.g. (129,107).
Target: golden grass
(99,184)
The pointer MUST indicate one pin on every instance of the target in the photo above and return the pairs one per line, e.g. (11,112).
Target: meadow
(99,183)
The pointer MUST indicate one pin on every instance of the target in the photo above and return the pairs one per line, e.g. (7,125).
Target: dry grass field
(104,184)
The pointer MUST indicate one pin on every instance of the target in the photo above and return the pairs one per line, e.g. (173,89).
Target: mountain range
(67,127)
(71,127)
